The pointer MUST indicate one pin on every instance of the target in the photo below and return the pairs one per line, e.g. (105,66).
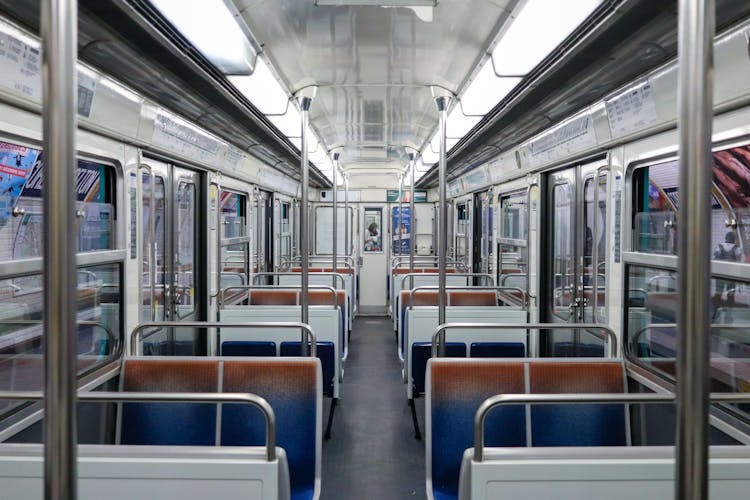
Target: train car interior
(374,249)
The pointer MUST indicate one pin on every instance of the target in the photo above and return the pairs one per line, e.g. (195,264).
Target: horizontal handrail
(548,399)
(524,299)
(348,260)
(306,329)
(114,341)
(170,397)
(448,275)
(609,334)
(223,291)
(336,275)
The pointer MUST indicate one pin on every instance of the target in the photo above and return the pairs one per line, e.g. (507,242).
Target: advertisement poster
(420,196)
(402,231)
(15,164)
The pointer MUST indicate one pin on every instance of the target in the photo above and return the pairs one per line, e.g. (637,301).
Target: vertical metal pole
(400,209)
(695,94)
(304,104)
(413,225)
(442,103)
(59,53)
(334,160)
(347,247)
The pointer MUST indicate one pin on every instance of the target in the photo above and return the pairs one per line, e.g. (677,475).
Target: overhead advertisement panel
(420,196)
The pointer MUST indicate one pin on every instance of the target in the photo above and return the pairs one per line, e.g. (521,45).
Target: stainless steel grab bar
(170,397)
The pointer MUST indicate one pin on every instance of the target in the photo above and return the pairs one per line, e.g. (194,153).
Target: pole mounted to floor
(696,29)
(305,99)
(442,101)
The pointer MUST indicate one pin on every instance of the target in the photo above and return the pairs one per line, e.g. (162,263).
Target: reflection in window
(656,201)
(652,297)
(21,205)
(373,238)
(513,256)
(234,259)
(98,335)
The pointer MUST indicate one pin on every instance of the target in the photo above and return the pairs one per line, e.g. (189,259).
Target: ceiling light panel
(537,30)
(262,89)
(485,91)
(213,30)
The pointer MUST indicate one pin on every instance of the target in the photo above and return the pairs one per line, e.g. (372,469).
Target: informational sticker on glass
(373,238)
(632,110)
(86,90)
(22,66)
(15,164)
(402,230)
(420,196)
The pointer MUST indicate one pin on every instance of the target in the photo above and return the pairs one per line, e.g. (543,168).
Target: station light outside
(212,28)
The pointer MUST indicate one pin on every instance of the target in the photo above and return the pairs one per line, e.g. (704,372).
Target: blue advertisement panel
(15,164)
(401,228)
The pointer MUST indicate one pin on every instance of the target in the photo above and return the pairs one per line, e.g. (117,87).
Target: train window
(21,310)
(154,246)
(232,212)
(234,260)
(512,257)
(656,201)
(373,237)
(652,296)
(595,243)
(21,217)
(463,232)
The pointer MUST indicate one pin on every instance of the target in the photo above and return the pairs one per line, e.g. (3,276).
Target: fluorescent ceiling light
(459,124)
(428,157)
(290,123)
(485,91)
(379,3)
(213,30)
(536,31)
(262,89)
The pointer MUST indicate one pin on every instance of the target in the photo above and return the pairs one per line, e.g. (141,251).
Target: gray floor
(372,453)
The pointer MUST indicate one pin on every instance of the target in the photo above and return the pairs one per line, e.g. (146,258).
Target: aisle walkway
(373,454)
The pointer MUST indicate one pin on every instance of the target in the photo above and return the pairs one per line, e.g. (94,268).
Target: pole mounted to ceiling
(305,99)
(696,30)
(443,99)
(335,155)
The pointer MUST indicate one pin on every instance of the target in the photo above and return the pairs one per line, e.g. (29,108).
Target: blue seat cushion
(497,350)
(248,348)
(421,352)
(326,352)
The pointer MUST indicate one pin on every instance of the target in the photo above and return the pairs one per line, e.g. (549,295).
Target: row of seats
(456,388)
(292,386)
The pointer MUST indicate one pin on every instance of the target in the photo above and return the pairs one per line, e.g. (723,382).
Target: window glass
(99,336)
(232,214)
(21,173)
(656,201)
(153,251)
(373,238)
(652,296)
(513,257)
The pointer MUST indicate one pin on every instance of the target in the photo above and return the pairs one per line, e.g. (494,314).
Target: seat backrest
(274,297)
(326,298)
(472,298)
(455,389)
(169,423)
(577,425)
(292,386)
